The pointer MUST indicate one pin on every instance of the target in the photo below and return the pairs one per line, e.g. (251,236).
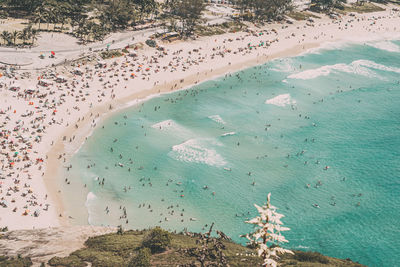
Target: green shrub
(19,261)
(67,261)
(157,240)
(151,43)
(142,259)
(310,257)
(111,54)
(100,258)
(118,244)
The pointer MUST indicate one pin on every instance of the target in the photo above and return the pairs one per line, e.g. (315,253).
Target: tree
(39,14)
(210,250)
(157,240)
(146,7)
(6,36)
(117,15)
(34,34)
(188,13)
(268,10)
(263,10)
(267,235)
(14,36)
(98,32)
(142,259)
(25,5)
(323,5)
(24,35)
(63,12)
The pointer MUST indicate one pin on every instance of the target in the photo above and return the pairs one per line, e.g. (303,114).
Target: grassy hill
(116,249)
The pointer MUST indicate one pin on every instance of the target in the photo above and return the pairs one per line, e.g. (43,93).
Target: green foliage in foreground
(142,259)
(157,240)
(15,261)
(118,250)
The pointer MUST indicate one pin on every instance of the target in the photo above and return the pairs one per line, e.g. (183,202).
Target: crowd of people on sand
(37,107)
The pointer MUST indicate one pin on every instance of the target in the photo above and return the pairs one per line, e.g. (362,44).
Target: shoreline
(299,41)
(53,168)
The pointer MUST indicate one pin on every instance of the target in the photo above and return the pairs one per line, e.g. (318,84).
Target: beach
(42,129)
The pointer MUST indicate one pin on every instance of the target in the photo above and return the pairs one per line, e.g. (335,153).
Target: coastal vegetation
(185,249)
(158,247)
(363,8)
(92,20)
(340,6)
(18,261)
(28,36)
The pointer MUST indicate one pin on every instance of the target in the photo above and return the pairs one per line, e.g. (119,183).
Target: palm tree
(14,36)
(6,36)
(73,22)
(48,17)
(64,10)
(98,32)
(38,16)
(56,14)
(34,34)
(24,35)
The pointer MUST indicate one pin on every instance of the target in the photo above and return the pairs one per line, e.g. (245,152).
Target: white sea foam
(283,65)
(198,151)
(328,46)
(373,65)
(281,100)
(90,199)
(217,119)
(354,67)
(300,246)
(162,125)
(386,45)
(228,134)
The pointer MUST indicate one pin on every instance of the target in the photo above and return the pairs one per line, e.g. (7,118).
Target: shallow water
(276,125)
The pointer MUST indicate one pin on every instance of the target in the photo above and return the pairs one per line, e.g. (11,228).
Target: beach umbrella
(52,52)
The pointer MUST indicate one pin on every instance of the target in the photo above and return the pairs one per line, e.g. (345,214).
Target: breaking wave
(163,125)
(198,151)
(281,100)
(386,45)
(328,69)
(217,119)
(89,204)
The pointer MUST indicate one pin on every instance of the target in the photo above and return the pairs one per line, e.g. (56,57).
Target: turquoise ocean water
(207,154)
